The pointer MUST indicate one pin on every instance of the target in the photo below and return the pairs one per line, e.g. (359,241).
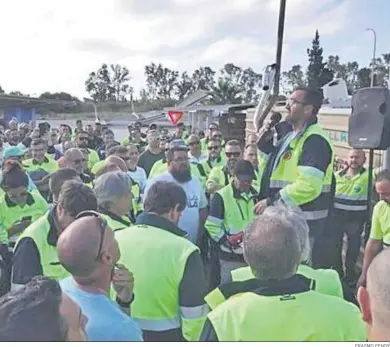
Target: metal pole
(373,56)
(371,153)
(282,15)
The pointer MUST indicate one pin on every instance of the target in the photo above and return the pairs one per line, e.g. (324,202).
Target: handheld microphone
(275,119)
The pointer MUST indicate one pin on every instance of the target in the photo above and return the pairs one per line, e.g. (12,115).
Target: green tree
(250,83)
(160,81)
(2,90)
(348,72)
(16,93)
(203,78)
(225,92)
(99,85)
(58,96)
(363,78)
(184,86)
(317,72)
(294,78)
(120,76)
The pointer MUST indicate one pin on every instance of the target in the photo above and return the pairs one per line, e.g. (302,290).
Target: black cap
(244,170)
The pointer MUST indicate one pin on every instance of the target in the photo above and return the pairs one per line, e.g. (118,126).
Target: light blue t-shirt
(196,200)
(106,321)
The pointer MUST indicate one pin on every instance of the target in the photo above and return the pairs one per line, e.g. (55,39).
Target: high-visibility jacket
(157,258)
(351,192)
(49,165)
(219,175)
(10,213)
(325,281)
(237,213)
(287,312)
(93,158)
(39,232)
(115,222)
(206,166)
(302,185)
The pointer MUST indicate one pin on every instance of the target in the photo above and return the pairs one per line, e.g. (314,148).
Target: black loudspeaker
(369,124)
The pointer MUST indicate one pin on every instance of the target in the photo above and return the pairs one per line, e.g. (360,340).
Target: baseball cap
(178,144)
(13,151)
(244,170)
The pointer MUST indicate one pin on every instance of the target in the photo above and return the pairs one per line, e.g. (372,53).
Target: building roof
(27,102)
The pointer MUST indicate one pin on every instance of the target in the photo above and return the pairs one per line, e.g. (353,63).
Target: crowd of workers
(190,236)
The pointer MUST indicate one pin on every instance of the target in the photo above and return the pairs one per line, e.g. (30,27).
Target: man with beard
(380,224)
(13,137)
(349,215)
(179,171)
(82,143)
(231,211)
(299,170)
(75,159)
(221,176)
(108,138)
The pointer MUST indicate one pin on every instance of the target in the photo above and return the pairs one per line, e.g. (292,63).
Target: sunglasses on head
(102,224)
(233,154)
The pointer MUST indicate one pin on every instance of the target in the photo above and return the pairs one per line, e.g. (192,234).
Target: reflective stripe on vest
(158,324)
(326,188)
(288,169)
(350,202)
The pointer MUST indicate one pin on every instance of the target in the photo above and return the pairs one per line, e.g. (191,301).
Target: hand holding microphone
(266,132)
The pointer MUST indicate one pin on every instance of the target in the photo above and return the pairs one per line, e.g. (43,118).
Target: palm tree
(226,93)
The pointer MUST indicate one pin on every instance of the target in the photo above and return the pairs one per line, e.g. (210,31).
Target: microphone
(275,119)
(265,132)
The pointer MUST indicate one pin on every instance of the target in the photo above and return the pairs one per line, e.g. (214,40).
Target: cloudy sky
(52,45)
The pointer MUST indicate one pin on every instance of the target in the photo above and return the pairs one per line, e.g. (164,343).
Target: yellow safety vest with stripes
(304,186)
(351,192)
(39,231)
(158,272)
(238,213)
(299,315)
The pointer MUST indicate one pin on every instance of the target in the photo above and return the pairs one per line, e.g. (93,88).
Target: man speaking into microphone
(299,167)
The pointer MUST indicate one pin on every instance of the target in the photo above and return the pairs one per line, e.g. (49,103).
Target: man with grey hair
(375,299)
(282,306)
(113,193)
(325,281)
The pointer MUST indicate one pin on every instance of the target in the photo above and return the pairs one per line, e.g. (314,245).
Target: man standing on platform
(299,169)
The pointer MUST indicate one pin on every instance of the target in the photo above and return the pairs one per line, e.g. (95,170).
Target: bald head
(356,159)
(272,248)
(378,287)
(113,159)
(78,246)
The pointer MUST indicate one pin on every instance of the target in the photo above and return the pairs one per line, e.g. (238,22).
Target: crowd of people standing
(188,236)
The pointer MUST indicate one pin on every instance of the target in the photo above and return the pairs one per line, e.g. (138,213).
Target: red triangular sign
(175,116)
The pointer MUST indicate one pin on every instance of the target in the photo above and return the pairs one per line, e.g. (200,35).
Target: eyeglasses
(213,147)
(233,154)
(194,143)
(83,138)
(291,102)
(102,224)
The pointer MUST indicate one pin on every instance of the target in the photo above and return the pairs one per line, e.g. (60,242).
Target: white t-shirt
(196,200)
(139,176)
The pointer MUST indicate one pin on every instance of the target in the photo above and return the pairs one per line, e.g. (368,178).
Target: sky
(52,45)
